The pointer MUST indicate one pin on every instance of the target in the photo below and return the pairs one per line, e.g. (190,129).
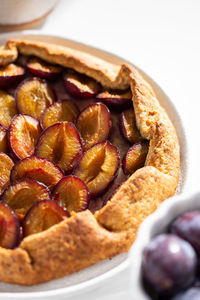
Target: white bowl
(155,224)
(96,275)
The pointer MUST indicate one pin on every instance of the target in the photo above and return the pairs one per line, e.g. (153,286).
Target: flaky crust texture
(84,239)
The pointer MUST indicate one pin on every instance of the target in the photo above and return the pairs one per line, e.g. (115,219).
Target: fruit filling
(71,193)
(37,168)
(79,85)
(60,111)
(6,165)
(23,135)
(21,195)
(61,144)
(94,124)
(115,99)
(42,69)
(68,155)
(7,109)
(42,215)
(135,157)
(33,96)
(10,75)
(3,139)
(9,227)
(98,167)
(128,126)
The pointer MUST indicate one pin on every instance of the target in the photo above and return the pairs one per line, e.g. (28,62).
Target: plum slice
(64,110)
(43,69)
(21,195)
(116,99)
(94,124)
(23,134)
(61,144)
(98,167)
(42,215)
(71,193)
(10,74)
(79,85)
(3,139)
(135,157)
(37,168)
(7,109)
(128,126)
(9,227)
(33,96)
(6,165)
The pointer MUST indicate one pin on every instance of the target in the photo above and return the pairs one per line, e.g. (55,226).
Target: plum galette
(86,153)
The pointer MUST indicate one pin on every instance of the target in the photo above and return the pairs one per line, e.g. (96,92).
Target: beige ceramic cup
(22,14)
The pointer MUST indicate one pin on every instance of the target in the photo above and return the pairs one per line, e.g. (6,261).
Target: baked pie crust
(84,238)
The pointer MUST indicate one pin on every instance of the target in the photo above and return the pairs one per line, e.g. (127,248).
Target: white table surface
(160,36)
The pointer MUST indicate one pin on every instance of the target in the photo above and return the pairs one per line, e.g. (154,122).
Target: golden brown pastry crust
(85,239)
(8,54)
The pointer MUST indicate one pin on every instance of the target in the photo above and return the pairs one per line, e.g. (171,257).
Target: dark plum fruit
(33,96)
(43,69)
(61,144)
(63,110)
(7,109)
(98,167)
(42,215)
(79,85)
(36,168)
(169,264)
(135,157)
(6,164)
(116,100)
(21,195)
(71,193)
(192,293)
(3,139)
(24,132)
(10,74)
(9,227)
(128,127)
(187,227)
(94,124)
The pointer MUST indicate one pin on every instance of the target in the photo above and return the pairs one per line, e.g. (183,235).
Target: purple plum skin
(169,264)
(187,227)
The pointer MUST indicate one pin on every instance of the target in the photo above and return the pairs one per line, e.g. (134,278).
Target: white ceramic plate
(95,275)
